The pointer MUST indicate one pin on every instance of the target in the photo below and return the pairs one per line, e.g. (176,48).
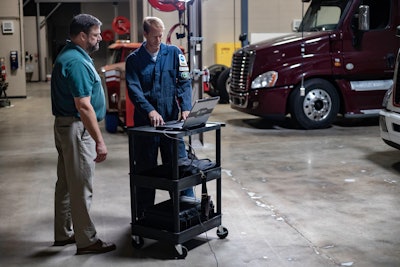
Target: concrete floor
(290,197)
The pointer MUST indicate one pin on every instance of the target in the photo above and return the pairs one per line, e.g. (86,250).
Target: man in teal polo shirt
(78,104)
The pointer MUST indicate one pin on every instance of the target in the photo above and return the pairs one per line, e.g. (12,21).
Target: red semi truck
(340,62)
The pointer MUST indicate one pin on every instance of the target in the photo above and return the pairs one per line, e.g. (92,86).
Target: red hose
(167,5)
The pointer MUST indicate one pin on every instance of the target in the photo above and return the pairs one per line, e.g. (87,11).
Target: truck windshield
(322,15)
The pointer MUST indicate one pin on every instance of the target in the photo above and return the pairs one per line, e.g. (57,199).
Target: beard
(93,48)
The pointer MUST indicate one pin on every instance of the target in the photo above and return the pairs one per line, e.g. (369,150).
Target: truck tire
(318,107)
(223,83)
(215,70)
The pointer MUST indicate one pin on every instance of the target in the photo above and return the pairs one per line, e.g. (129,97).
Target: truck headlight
(267,79)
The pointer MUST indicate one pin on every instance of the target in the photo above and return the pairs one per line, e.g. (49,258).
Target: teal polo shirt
(74,75)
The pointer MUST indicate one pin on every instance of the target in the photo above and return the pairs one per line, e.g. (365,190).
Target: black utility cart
(173,221)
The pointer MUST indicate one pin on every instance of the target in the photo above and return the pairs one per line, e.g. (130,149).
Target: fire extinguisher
(206,80)
(3,69)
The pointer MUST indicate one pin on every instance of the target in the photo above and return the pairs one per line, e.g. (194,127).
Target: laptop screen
(201,111)
(198,116)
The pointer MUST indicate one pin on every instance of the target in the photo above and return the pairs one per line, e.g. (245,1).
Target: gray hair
(83,23)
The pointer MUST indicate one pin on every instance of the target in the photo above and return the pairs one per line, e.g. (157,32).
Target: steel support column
(195,57)
(244,12)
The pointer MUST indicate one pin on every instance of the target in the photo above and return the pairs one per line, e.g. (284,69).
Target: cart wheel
(182,251)
(222,232)
(137,242)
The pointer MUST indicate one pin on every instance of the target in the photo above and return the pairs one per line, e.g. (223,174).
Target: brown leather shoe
(96,248)
(70,240)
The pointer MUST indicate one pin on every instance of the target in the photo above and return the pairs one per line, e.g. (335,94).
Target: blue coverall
(162,85)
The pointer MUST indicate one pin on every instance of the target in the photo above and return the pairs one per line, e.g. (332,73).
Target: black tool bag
(189,166)
(190,214)
(160,215)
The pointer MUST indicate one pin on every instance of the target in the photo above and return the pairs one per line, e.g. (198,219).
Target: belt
(73,118)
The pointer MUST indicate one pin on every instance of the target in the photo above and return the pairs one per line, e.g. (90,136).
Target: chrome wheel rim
(317,105)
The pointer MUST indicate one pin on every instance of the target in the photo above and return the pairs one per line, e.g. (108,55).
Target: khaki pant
(75,172)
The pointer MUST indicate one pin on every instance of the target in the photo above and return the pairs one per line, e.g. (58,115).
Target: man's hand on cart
(184,115)
(155,118)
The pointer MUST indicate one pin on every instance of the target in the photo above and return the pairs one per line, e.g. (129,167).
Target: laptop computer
(198,116)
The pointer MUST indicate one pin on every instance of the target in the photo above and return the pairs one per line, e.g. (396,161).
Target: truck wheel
(318,107)
(223,83)
(215,70)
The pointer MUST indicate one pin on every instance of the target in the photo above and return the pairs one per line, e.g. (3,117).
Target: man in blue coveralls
(159,85)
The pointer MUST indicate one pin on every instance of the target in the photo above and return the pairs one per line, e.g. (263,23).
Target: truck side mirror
(363,18)
(360,24)
(243,37)
(398,31)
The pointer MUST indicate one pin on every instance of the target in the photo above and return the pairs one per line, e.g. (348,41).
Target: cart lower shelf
(139,232)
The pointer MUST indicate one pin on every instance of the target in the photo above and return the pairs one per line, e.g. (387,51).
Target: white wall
(12,11)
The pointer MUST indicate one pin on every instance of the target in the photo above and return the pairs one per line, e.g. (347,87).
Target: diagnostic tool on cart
(198,116)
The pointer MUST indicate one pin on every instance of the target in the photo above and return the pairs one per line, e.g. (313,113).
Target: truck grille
(242,63)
